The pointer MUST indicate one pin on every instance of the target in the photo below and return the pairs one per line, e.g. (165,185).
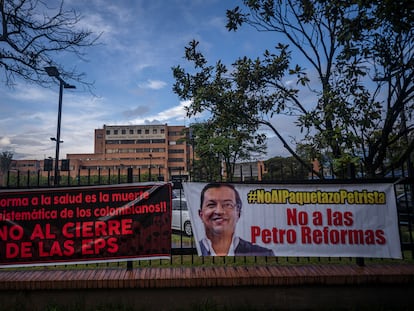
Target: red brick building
(158,149)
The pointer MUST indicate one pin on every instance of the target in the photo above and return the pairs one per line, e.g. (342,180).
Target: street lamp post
(53,72)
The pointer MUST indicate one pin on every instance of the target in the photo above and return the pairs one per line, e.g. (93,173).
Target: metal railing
(183,247)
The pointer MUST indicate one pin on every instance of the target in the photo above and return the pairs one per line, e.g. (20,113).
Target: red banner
(85,224)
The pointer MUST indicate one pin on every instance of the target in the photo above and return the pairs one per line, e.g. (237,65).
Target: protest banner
(85,224)
(321,220)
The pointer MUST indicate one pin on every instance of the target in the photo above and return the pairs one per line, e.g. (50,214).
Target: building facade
(249,171)
(159,150)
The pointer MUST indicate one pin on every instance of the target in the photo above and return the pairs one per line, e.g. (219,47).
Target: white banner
(348,220)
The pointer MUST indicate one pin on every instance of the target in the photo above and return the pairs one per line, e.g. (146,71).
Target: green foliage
(5,161)
(215,143)
(362,53)
(225,136)
(239,100)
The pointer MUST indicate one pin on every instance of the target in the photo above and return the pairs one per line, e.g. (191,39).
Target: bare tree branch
(31,34)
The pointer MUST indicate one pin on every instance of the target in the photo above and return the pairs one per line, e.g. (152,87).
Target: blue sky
(131,69)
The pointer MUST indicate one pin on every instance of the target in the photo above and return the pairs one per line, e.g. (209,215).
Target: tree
(5,160)
(279,168)
(32,33)
(242,97)
(206,162)
(5,163)
(216,144)
(360,50)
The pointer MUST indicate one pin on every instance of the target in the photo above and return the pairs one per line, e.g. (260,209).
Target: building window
(112,142)
(123,132)
(108,132)
(158,141)
(154,131)
(146,131)
(115,132)
(139,131)
(143,141)
(176,151)
(176,160)
(176,168)
(158,149)
(127,150)
(131,131)
(112,150)
(162,131)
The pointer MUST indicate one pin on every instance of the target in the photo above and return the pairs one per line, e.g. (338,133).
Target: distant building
(158,149)
(249,171)
(26,165)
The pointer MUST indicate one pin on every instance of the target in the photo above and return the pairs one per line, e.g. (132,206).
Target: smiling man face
(219,212)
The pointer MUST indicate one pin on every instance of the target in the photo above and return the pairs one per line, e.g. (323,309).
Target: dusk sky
(131,68)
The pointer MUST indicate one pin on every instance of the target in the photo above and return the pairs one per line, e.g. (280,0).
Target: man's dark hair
(219,185)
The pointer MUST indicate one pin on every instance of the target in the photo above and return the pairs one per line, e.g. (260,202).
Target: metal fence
(183,247)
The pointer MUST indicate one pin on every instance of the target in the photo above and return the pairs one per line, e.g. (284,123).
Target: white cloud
(171,115)
(4,141)
(153,84)
(27,92)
